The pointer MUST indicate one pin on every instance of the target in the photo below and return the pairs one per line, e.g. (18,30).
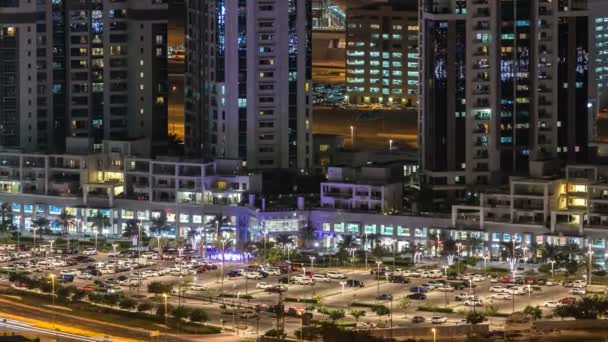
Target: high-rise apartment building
(382,54)
(86,70)
(503,83)
(249,82)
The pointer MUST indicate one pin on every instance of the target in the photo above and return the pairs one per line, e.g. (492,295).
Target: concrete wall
(425,331)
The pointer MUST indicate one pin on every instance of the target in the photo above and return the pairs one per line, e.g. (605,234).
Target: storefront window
(142,215)
(420,232)
(401,231)
(28,208)
(339,227)
(127,214)
(16,207)
(370,229)
(387,230)
(326,227)
(54,210)
(184,218)
(353,228)
(197,219)
(495,236)
(39,209)
(170,217)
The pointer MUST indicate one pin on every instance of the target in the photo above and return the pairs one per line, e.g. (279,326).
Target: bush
(475,317)
(180,312)
(365,305)
(198,315)
(127,303)
(302,300)
(435,309)
(381,310)
(158,287)
(544,268)
(276,333)
(160,309)
(144,306)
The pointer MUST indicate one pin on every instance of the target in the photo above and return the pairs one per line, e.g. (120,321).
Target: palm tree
(572,250)
(307,233)
(40,223)
(550,251)
(132,230)
(6,217)
(283,240)
(65,221)
(471,244)
(100,221)
(449,247)
(159,224)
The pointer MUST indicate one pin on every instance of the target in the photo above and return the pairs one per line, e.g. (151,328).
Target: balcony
(339,194)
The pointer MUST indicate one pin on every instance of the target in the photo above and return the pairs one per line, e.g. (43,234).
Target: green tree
(449,248)
(78,295)
(283,240)
(180,313)
(131,230)
(41,223)
(475,317)
(6,217)
(533,312)
(381,310)
(159,224)
(158,287)
(404,303)
(307,234)
(336,314)
(127,303)
(99,221)
(357,314)
(198,315)
(550,251)
(160,309)
(144,306)
(65,220)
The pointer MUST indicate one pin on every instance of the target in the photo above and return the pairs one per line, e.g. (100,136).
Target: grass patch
(302,300)
(365,305)
(232,295)
(435,309)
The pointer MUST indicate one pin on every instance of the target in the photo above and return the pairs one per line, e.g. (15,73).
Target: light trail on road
(26,327)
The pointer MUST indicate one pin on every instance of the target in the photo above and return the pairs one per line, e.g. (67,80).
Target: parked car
(276,289)
(354,283)
(577,291)
(419,289)
(283,280)
(552,304)
(568,284)
(567,300)
(335,275)
(262,285)
(473,302)
(464,296)
(439,319)
(398,279)
(248,314)
(89,251)
(418,319)
(417,296)
(321,278)
(501,296)
(385,296)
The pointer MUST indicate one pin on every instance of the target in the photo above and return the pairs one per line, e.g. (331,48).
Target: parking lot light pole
(485,265)
(590,253)
(529,295)
(165,312)
(96,233)
(52,276)
(434,331)
(352,260)
(512,293)
(365,247)
(552,262)
(312,263)
(51,242)
(378,277)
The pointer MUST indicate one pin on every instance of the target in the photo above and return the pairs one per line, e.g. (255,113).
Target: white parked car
(577,291)
(501,296)
(262,285)
(473,302)
(579,284)
(89,251)
(253,275)
(335,275)
(197,287)
(497,289)
(445,288)
(302,281)
(551,283)
(321,278)
(552,304)
(477,278)
(439,319)
(515,291)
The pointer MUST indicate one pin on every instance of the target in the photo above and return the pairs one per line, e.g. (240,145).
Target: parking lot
(252,285)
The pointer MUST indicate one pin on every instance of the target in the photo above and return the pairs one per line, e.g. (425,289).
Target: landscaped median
(101,312)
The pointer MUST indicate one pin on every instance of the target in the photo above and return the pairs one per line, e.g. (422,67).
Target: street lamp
(378,277)
(590,253)
(165,312)
(513,293)
(552,262)
(445,270)
(458,246)
(35,229)
(312,263)
(342,283)
(95,233)
(434,334)
(114,246)
(352,260)
(52,276)
(51,242)
(390,145)
(365,247)
(485,265)
(352,136)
